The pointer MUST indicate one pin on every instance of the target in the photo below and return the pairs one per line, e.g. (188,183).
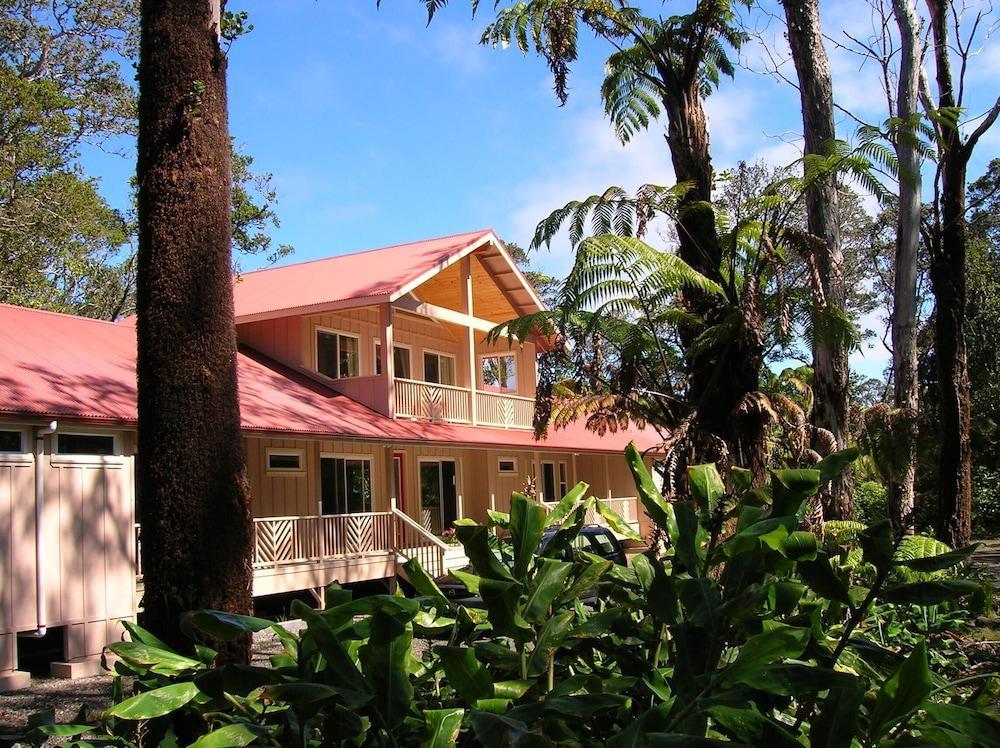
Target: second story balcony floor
(421,353)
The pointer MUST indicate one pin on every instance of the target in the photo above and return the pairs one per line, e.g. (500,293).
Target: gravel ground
(67,696)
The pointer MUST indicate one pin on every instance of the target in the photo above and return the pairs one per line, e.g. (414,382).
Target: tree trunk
(191,478)
(947,273)
(721,377)
(831,371)
(906,398)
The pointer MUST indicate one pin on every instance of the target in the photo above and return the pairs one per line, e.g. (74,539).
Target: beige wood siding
(278,338)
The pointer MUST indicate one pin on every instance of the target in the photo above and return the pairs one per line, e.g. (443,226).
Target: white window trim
(562,469)
(459,499)
(499,390)
(25,454)
(369,458)
(506,459)
(329,331)
(298,472)
(454,365)
(115,460)
(405,346)
(555,479)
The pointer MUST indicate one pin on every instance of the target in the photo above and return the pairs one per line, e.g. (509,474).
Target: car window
(605,547)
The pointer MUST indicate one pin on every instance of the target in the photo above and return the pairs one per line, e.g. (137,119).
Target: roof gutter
(41,615)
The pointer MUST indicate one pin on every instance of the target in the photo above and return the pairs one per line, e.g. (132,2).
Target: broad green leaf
(876,542)
(559,543)
(424,585)
(497,730)
(471,581)
(220,625)
(779,643)
(235,679)
(138,634)
(929,593)
(155,703)
(62,730)
(691,537)
(799,546)
(583,706)
(160,661)
(339,662)
(679,740)
(979,726)
(616,522)
(562,509)
(502,603)
(302,693)
(706,488)
(792,679)
(548,582)
(751,727)
(820,577)
(902,693)
(384,659)
(443,726)
(837,722)
(938,562)
(587,579)
(834,464)
(598,625)
(742,479)
(475,539)
(499,519)
(790,489)
(238,734)
(555,631)
(527,523)
(656,506)
(465,673)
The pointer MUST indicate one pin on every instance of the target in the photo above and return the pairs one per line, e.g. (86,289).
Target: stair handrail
(421,530)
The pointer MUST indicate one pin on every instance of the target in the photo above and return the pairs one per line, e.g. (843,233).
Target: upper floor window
(500,372)
(439,368)
(337,355)
(400,360)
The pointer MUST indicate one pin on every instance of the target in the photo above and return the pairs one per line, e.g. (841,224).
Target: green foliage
(870,502)
(742,631)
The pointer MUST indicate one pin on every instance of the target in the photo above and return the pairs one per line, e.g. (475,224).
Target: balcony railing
(436,402)
(289,540)
(444,402)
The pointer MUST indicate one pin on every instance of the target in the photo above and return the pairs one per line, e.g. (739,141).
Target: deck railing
(505,411)
(437,402)
(415,542)
(289,540)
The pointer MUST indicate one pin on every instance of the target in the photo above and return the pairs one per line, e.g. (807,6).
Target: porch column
(387,359)
(465,270)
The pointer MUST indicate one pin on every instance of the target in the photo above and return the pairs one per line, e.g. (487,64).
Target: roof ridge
(480,232)
(53,313)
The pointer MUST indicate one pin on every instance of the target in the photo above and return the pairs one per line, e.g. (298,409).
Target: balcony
(446,403)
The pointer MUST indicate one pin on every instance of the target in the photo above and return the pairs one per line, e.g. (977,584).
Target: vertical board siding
(277,338)
(17,559)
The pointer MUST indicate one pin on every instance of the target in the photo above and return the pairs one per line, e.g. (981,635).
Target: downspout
(40,612)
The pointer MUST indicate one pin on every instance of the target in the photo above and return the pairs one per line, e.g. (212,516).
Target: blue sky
(379,129)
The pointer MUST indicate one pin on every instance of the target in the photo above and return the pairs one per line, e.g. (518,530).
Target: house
(374,414)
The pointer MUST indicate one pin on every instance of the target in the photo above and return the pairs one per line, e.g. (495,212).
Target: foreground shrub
(746,630)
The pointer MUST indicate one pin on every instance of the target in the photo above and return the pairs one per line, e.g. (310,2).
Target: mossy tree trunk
(191,475)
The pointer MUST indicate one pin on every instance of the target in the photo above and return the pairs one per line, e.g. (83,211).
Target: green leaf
(424,585)
(876,542)
(497,730)
(706,487)
(238,734)
(938,562)
(691,537)
(790,489)
(527,523)
(929,593)
(820,577)
(766,648)
(160,661)
(799,546)
(443,726)
(837,722)
(339,662)
(465,673)
(792,679)
(549,579)
(384,659)
(656,506)
(501,599)
(902,693)
(475,539)
(141,635)
(155,703)
(742,479)
(562,509)
(220,625)
(979,726)
(750,726)
(302,693)
(556,629)
(834,464)
(615,522)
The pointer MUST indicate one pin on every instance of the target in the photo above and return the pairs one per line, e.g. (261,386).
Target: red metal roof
(358,278)
(61,366)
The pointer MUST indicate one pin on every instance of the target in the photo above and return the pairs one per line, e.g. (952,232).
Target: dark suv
(592,539)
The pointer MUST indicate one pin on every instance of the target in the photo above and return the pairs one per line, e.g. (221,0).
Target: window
(549,481)
(337,355)
(85,444)
(563,482)
(400,360)
(11,441)
(346,485)
(507,465)
(439,368)
(500,373)
(285,461)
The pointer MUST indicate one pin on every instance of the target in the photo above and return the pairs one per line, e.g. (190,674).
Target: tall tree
(193,494)
(831,371)
(906,397)
(947,238)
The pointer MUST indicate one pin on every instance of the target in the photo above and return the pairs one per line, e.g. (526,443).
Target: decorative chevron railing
(291,540)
